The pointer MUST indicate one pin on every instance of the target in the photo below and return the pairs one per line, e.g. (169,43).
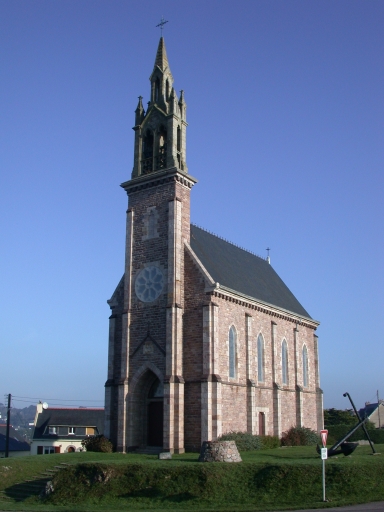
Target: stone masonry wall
(195,297)
(234,390)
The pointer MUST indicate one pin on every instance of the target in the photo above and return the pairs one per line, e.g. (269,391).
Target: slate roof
(68,417)
(369,409)
(242,271)
(16,442)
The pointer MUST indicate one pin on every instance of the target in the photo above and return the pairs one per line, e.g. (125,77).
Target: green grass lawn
(278,479)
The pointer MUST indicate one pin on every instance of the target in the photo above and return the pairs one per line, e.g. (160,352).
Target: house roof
(368,410)
(242,271)
(68,417)
(16,442)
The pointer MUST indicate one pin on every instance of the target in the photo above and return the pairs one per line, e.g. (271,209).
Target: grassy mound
(276,479)
(201,486)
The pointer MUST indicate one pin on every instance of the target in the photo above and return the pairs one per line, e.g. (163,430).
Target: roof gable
(242,271)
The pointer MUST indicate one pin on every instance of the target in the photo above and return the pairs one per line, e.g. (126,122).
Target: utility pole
(378,407)
(8,424)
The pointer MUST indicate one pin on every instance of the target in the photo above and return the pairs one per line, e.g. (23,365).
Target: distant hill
(19,417)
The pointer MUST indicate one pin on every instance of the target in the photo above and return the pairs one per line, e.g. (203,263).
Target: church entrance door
(155,416)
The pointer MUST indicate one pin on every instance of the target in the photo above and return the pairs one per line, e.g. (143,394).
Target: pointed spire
(182,106)
(173,102)
(139,112)
(161,56)
(140,108)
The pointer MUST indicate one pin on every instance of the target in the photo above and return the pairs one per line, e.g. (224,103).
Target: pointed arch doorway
(155,414)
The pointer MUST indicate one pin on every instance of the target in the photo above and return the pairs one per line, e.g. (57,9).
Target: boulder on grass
(219,451)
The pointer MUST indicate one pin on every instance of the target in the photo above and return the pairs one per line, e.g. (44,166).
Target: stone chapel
(204,336)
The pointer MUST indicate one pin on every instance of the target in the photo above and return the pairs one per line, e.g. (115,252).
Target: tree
(339,417)
(97,444)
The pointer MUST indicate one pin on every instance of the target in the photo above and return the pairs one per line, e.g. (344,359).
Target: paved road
(378,506)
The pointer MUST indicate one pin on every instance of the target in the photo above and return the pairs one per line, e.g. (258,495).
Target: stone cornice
(157,178)
(225,293)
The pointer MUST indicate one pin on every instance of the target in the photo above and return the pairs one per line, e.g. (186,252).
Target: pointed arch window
(167,90)
(305,366)
(260,358)
(178,138)
(284,362)
(162,149)
(178,147)
(157,90)
(147,161)
(232,352)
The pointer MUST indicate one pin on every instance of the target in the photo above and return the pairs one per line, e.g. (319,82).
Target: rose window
(149,284)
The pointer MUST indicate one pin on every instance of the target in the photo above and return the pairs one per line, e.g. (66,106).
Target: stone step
(32,486)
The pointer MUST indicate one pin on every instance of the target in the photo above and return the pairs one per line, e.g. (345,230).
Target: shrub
(377,436)
(299,436)
(244,441)
(337,432)
(97,444)
(270,442)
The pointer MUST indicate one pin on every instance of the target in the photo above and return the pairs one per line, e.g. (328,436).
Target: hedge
(337,432)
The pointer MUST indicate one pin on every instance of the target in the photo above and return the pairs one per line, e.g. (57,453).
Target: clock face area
(149,283)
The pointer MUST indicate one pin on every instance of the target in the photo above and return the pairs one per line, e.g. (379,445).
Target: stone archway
(155,415)
(145,421)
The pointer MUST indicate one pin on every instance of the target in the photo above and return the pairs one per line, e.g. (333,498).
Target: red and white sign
(324,435)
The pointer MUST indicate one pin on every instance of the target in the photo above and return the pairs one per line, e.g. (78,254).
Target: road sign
(324,435)
(324,453)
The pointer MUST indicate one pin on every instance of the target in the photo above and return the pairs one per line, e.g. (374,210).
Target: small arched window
(305,367)
(147,162)
(178,138)
(162,151)
(157,90)
(284,362)
(260,358)
(167,90)
(232,352)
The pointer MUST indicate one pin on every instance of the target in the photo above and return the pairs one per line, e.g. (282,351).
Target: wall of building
(60,443)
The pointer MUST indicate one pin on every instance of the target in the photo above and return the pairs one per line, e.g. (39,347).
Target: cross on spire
(161,24)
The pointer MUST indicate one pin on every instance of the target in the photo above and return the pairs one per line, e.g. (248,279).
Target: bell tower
(160,132)
(144,393)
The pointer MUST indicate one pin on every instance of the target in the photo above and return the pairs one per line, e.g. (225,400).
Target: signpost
(324,456)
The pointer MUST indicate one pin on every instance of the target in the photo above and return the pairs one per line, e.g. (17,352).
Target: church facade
(204,337)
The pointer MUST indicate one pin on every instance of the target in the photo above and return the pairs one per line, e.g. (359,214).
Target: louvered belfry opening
(147,161)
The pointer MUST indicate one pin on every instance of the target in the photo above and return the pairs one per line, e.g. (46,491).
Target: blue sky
(285,112)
